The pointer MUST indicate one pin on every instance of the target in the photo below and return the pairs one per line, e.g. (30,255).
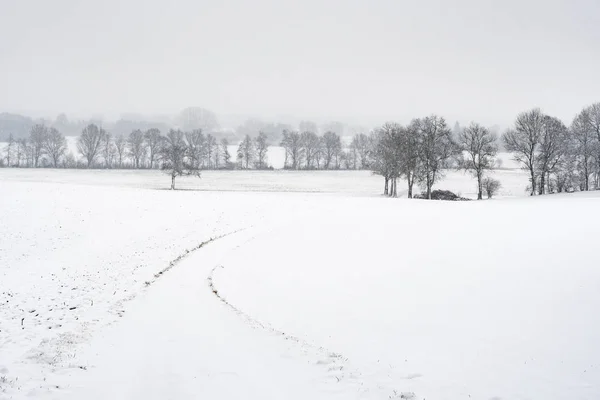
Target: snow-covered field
(108,292)
(355,183)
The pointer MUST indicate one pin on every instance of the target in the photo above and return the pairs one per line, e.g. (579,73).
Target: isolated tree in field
(9,149)
(37,138)
(120,145)
(523,141)
(332,146)
(55,146)
(246,152)
(89,143)
(153,142)
(135,146)
(225,155)
(553,148)
(261,145)
(478,151)
(491,186)
(175,157)
(196,142)
(436,147)
(108,151)
(211,149)
(584,146)
(293,149)
(310,145)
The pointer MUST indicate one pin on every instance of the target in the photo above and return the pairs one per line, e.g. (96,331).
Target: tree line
(47,147)
(558,158)
(307,150)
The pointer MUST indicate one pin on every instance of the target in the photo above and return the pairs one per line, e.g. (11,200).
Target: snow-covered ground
(249,289)
(356,183)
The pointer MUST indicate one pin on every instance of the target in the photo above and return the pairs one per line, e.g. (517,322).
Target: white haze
(358,61)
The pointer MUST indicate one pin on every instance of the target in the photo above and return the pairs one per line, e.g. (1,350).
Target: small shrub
(441,195)
(491,187)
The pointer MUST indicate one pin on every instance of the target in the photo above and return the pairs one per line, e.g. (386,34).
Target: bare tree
(523,141)
(478,151)
(262,146)
(552,148)
(293,149)
(585,146)
(319,152)
(436,147)
(89,143)
(135,145)
(332,146)
(226,156)
(386,161)
(410,162)
(593,112)
(212,149)
(108,150)
(175,156)
(9,149)
(491,186)
(26,152)
(37,138)
(55,146)
(360,149)
(196,142)
(310,145)
(153,142)
(246,152)
(120,145)
(21,150)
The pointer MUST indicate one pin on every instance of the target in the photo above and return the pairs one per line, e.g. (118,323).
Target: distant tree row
(47,147)
(252,153)
(307,150)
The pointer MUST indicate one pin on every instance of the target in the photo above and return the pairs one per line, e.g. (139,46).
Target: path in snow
(179,341)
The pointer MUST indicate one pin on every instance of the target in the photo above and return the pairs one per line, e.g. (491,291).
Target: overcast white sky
(333,59)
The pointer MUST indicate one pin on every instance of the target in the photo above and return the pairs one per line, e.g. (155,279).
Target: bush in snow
(442,195)
(491,186)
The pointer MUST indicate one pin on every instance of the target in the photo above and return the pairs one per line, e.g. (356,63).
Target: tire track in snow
(337,366)
(56,353)
(187,252)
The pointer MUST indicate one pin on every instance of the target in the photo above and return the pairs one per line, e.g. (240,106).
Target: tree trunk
(479,187)
(532,172)
(542,186)
(385,187)
(395,187)
(172,182)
